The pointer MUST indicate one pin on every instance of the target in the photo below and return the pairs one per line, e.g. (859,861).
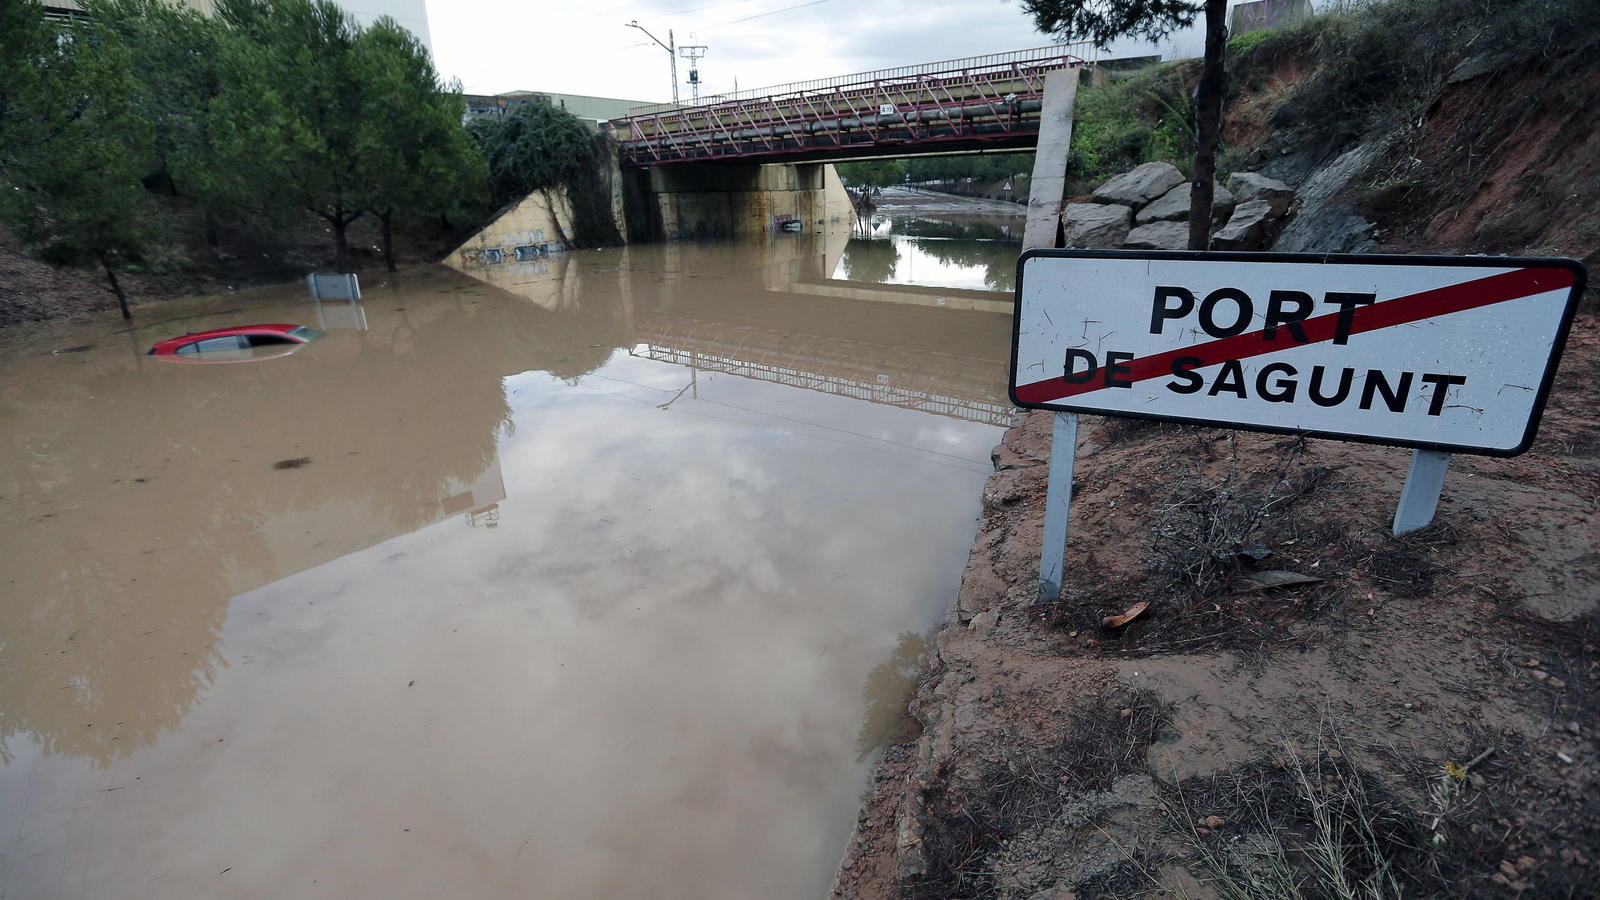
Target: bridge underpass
(756,162)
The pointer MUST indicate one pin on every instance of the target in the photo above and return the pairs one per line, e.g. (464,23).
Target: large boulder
(1247,186)
(1159,236)
(1140,185)
(1326,219)
(1174,204)
(1096,224)
(1247,228)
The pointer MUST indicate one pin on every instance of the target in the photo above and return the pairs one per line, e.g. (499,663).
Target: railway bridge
(756,162)
(979,103)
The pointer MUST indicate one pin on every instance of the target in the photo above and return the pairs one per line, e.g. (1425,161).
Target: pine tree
(72,146)
(1103,21)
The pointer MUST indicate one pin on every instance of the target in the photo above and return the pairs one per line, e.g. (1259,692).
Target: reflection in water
(948,250)
(688,545)
(888,687)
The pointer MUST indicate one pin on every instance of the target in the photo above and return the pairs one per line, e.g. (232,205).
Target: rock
(1246,228)
(1159,236)
(1097,225)
(1482,64)
(1139,185)
(1003,457)
(1174,205)
(983,622)
(1247,186)
(1213,821)
(1325,221)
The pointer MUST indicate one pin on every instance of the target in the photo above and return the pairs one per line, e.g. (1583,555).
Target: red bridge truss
(978,103)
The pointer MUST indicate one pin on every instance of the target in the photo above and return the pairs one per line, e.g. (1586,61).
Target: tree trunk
(1208,125)
(341,248)
(388,237)
(550,203)
(116,287)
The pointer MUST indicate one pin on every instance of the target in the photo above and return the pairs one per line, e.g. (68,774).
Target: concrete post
(1048,189)
(1049,185)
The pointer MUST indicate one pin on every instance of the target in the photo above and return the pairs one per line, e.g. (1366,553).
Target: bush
(1375,65)
(1144,118)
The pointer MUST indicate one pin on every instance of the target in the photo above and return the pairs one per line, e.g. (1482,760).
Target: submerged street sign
(1450,354)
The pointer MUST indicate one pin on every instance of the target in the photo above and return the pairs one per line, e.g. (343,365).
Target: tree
(537,147)
(1103,21)
(873,172)
(72,147)
(287,123)
(413,147)
(178,66)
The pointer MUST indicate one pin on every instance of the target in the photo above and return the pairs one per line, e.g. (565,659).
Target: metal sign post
(1440,354)
(1419,499)
(1057,505)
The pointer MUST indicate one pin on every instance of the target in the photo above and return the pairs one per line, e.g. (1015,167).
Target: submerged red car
(229,341)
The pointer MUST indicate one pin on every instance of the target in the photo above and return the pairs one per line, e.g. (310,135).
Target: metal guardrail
(1084,50)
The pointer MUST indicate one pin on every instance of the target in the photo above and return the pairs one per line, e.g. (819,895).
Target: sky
(496,46)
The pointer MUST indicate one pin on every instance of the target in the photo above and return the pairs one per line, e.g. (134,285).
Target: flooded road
(593,576)
(921,238)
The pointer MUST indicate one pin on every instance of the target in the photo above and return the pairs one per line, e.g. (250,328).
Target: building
(1268,15)
(592,110)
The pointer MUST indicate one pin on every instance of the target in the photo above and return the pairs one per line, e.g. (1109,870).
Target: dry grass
(1314,826)
(1025,788)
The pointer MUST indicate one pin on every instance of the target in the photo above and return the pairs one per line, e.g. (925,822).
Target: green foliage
(538,146)
(1244,43)
(414,153)
(72,146)
(287,124)
(176,67)
(1141,119)
(1103,21)
(982,167)
(542,146)
(873,172)
(1376,65)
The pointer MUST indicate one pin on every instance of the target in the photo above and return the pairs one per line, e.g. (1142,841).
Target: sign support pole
(1049,188)
(1419,499)
(1057,505)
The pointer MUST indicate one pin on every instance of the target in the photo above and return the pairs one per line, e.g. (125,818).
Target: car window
(231,342)
(266,340)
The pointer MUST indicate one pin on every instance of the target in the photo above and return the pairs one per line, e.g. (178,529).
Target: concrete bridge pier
(713,200)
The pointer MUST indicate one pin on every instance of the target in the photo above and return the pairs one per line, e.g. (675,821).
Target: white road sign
(1454,354)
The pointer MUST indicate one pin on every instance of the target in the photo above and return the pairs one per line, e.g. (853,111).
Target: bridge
(992,102)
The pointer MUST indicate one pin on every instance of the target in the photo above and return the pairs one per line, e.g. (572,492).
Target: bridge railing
(1082,50)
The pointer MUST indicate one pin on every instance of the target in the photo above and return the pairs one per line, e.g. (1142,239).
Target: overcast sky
(585,47)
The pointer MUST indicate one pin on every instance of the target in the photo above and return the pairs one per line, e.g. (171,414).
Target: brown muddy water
(601,576)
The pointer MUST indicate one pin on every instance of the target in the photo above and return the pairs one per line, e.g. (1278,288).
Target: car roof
(170,344)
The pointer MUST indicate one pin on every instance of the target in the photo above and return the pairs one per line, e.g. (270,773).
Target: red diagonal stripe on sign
(1453,298)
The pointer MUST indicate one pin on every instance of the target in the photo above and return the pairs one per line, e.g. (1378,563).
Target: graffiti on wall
(522,247)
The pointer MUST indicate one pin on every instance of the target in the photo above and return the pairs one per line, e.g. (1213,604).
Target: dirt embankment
(1305,699)
(186,265)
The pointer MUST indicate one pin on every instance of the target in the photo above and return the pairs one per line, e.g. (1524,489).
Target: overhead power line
(772,12)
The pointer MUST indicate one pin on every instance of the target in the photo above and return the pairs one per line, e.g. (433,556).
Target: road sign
(1437,353)
(1451,354)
